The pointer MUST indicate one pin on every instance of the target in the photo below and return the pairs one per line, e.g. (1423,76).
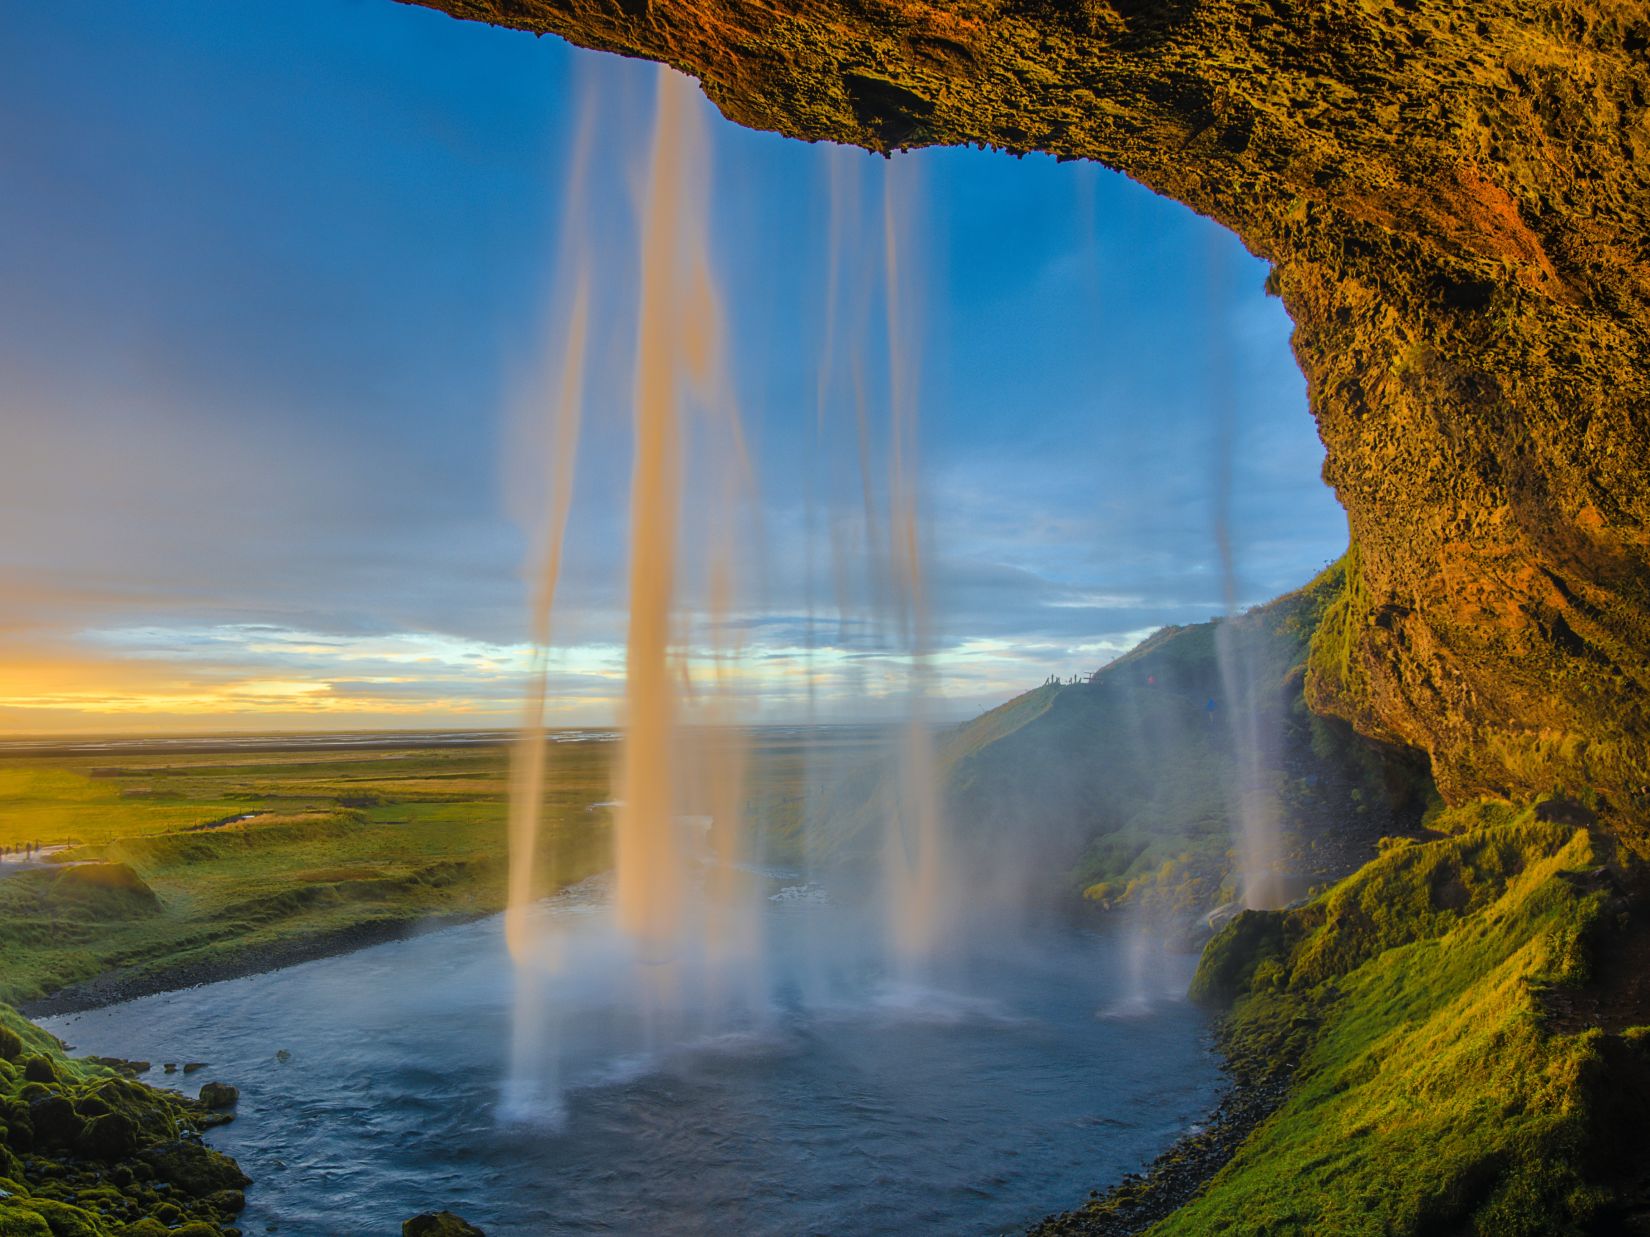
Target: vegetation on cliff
(86,1151)
(1438,1085)
(1128,788)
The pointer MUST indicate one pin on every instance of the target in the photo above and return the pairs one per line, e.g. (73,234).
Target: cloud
(272,392)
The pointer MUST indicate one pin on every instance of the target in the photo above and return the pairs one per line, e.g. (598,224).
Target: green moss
(1433,1094)
(1333,670)
(1252,940)
(17,1220)
(64,1220)
(96,1145)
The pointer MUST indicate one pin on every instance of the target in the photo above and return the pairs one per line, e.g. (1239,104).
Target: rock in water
(219,1095)
(439,1224)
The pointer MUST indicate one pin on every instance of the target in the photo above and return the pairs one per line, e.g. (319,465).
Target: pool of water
(373,1087)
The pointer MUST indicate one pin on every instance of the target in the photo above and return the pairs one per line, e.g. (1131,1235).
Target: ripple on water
(976,1104)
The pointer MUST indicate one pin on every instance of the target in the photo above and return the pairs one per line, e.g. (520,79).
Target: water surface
(972,1103)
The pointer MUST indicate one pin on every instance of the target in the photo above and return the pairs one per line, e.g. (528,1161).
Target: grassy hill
(1125,789)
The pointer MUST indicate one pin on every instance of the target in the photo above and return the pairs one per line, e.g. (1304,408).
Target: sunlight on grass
(1433,1095)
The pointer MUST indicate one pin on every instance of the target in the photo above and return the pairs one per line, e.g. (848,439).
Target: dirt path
(14,863)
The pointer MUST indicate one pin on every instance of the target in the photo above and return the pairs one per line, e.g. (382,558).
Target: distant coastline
(351,740)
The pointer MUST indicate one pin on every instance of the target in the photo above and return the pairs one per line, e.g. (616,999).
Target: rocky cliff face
(1456,201)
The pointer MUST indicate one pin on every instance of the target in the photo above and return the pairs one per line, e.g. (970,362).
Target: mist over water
(861,1105)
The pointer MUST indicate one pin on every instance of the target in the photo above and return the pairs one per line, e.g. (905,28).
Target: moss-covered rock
(62,1219)
(16,1220)
(217,1095)
(55,1122)
(195,1168)
(1231,959)
(439,1224)
(89,1152)
(111,1137)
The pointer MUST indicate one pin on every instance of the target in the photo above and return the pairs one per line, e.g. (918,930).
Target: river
(372,1083)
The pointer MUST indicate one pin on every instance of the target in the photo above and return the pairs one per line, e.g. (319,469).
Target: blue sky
(277,292)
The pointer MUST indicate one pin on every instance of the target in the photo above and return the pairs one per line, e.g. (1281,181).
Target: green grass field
(153,880)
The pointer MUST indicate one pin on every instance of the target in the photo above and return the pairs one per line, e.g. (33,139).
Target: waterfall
(681,953)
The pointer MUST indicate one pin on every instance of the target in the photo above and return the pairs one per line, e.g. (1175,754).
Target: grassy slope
(1126,781)
(1436,1090)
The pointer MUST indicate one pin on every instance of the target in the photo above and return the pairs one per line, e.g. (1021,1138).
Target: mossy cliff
(1445,1042)
(1443,1082)
(1456,201)
(86,1151)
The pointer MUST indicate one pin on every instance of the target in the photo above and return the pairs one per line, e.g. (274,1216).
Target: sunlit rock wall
(1456,199)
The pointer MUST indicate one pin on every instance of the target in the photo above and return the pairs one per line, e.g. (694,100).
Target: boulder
(17,1221)
(219,1095)
(113,1136)
(439,1224)
(1565,811)
(61,1219)
(55,1122)
(194,1169)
